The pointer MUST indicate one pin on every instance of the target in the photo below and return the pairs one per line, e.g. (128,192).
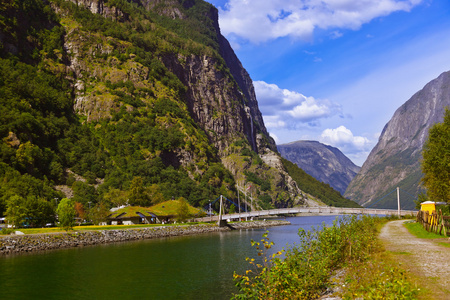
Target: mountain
(324,192)
(323,162)
(114,101)
(395,160)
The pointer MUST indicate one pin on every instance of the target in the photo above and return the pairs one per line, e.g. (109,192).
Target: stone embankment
(41,242)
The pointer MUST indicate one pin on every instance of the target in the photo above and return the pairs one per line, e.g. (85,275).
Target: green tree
(84,193)
(15,210)
(38,211)
(232,209)
(137,193)
(32,211)
(155,194)
(436,161)
(116,197)
(66,213)
(99,213)
(182,210)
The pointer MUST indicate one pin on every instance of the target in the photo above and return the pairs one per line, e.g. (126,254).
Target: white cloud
(344,139)
(283,108)
(336,34)
(263,20)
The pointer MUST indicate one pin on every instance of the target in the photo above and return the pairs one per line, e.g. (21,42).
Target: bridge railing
(311,210)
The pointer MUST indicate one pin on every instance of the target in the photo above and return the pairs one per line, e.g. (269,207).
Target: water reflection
(190,267)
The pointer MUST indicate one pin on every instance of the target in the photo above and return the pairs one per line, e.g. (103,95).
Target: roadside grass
(420,232)
(380,277)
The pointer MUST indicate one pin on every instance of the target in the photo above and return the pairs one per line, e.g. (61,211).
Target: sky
(335,71)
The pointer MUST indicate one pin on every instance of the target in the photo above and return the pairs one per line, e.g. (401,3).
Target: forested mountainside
(395,160)
(116,101)
(325,163)
(323,191)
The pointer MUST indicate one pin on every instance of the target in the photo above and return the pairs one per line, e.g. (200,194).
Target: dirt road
(425,258)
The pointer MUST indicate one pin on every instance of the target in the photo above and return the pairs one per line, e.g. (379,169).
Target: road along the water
(423,257)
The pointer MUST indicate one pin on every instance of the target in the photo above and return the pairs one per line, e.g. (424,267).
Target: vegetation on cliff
(122,103)
(436,161)
(130,140)
(321,190)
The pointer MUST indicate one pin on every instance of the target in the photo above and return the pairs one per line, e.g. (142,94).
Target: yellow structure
(428,206)
(431,207)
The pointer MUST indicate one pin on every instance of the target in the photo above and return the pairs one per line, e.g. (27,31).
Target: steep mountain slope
(395,160)
(138,101)
(325,163)
(322,191)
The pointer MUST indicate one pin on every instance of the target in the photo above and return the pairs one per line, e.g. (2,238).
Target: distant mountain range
(325,163)
(395,160)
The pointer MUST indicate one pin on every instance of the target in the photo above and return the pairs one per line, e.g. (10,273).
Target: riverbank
(16,244)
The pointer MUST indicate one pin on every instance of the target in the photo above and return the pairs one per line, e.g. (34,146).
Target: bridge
(308,211)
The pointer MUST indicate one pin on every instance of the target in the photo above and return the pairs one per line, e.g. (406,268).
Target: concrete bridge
(310,211)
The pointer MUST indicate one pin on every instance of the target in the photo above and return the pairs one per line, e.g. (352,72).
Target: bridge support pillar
(222,223)
(219,222)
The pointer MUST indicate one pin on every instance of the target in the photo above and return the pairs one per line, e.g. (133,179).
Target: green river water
(189,267)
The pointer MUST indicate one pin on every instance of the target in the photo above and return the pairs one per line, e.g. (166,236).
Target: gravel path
(425,258)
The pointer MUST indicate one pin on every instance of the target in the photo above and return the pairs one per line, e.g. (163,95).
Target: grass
(420,232)
(400,252)
(379,277)
(170,208)
(93,227)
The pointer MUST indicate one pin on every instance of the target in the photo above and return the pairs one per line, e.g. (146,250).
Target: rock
(33,243)
(395,160)
(325,163)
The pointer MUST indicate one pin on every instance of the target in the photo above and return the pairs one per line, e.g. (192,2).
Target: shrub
(6,231)
(304,273)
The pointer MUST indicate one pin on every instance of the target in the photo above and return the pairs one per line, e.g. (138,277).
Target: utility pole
(251,199)
(246,210)
(239,204)
(398,201)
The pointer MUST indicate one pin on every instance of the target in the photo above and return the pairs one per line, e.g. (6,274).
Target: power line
(408,193)
(381,199)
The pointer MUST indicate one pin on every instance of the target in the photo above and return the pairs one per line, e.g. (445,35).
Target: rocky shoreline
(17,244)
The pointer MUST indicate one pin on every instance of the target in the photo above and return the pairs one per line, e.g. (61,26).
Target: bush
(6,231)
(304,273)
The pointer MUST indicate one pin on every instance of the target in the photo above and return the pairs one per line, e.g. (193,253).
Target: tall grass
(305,271)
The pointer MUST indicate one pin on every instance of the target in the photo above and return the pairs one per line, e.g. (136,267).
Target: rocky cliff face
(395,160)
(224,105)
(207,85)
(218,92)
(325,163)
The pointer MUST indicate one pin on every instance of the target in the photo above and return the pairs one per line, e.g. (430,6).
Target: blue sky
(336,70)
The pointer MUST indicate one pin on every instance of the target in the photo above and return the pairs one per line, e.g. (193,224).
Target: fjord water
(188,267)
